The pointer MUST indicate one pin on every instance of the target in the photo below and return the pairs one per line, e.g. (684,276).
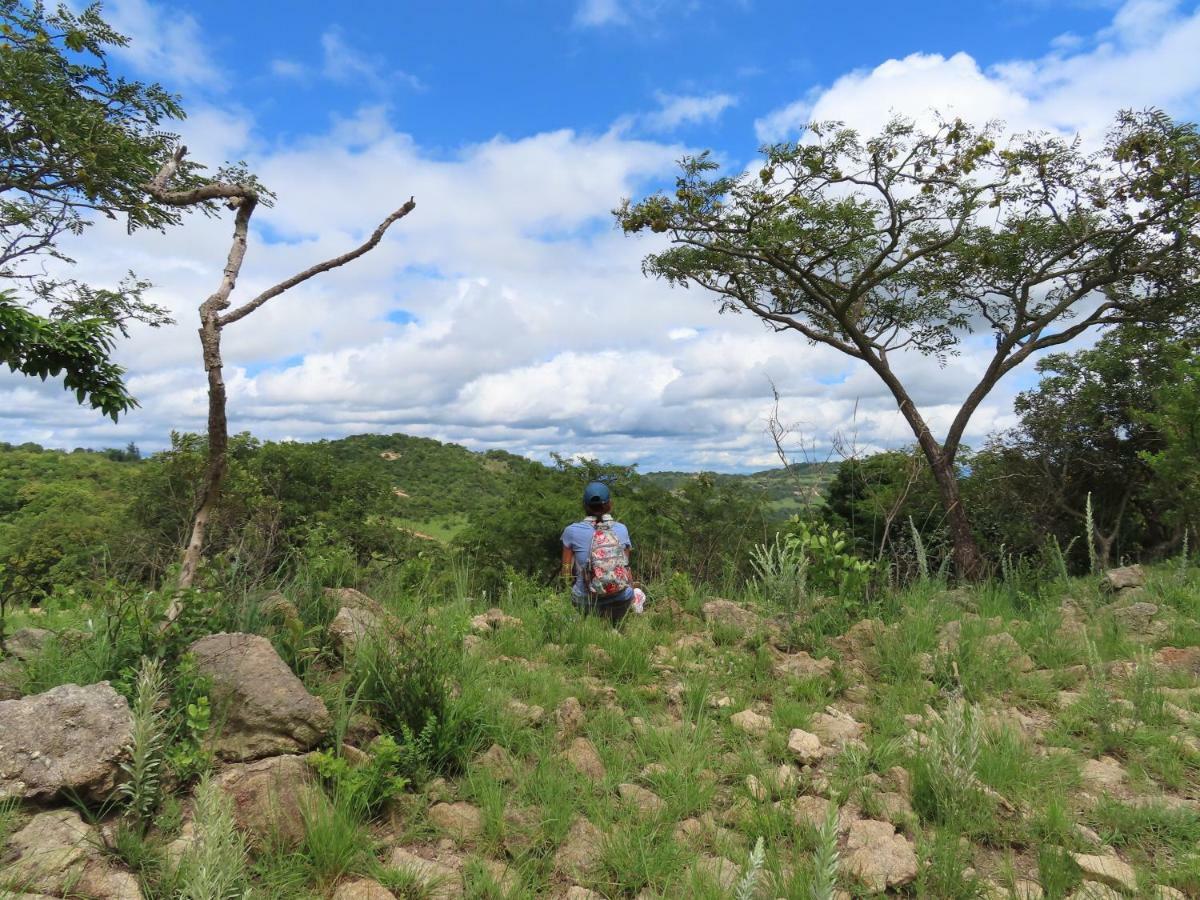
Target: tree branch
(376,236)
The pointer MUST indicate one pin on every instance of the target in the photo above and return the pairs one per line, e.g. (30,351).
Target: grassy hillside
(1010,740)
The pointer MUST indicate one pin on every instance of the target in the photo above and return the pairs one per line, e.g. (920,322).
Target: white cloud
(344,63)
(164,43)
(521,301)
(593,13)
(677,110)
(1146,57)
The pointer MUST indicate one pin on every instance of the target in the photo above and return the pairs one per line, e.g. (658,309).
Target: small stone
(1104,774)
(530,715)
(729,614)
(493,620)
(462,820)
(570,719)
(1094,890)
(751,722)
(1005,645)
(575,892)
(718,870)
(786,779)
(647,802)
(440,882)
(654,770)
(757,789)
(352,599)
(581,851)
(1124,578)
(268,798)
(1163,892)
(805,747)
(878,857)
(362,889)
(497,761)
(350,627)
(801,665)
(582,755)
(835,728)
(811,811)
(1107,870)
(1177,659)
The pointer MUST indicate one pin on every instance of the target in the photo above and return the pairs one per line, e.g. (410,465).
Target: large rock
(267,797)
(878,857)
(570,719)
(262,708)
(729,614)
(58,853)
(69,738)
(1005,646)
(1141,620)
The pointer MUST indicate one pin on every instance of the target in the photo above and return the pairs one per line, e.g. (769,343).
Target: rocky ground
(983,743)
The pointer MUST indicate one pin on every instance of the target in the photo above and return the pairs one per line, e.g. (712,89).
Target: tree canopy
(76,141)
(915,239)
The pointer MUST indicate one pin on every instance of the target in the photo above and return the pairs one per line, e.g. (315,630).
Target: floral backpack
(607,571)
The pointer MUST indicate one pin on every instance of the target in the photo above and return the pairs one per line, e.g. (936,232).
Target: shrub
(365,787)
(214,866)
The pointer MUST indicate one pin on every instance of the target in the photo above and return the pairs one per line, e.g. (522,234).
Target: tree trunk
(968,561)
(218,445)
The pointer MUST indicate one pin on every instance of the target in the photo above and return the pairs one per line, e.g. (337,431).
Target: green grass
(997,809)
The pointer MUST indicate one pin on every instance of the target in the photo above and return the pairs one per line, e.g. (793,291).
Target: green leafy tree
(1084,432)
(1176,464)
(913,240)
(76,141)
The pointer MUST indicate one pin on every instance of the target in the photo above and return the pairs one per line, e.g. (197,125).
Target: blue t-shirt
(578,536)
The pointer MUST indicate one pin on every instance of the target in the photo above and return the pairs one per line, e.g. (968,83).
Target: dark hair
(598,509)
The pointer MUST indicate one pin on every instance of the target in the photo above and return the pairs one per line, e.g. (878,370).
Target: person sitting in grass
(595,558)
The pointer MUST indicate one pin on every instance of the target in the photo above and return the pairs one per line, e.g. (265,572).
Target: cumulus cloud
(1144,58)
(676,111)
(507,312)
(164,43)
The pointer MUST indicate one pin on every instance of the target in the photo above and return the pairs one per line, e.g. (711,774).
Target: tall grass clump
(1089,523)
(825,858)
(947,769)
(410,680)
(747,886)
(214,866)
(781,572)
(143,787)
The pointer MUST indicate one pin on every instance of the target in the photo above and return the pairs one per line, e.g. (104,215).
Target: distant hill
(787,489)
(440,486)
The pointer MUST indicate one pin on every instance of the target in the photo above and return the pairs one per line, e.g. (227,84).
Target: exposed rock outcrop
(69,738)
(261,708)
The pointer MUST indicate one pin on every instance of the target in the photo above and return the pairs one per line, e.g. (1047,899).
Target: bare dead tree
(242,195)
(781,434)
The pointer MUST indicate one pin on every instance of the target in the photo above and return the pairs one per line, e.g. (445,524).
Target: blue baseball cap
(596,492)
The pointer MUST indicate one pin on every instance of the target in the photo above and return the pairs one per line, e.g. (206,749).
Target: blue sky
(487,316)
